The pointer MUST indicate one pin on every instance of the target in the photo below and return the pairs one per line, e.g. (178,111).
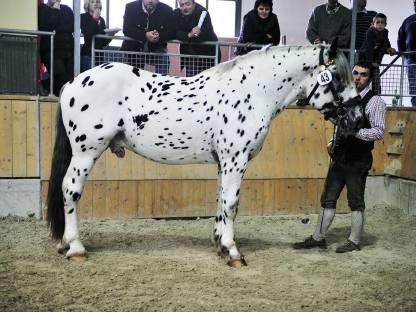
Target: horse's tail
(61,159)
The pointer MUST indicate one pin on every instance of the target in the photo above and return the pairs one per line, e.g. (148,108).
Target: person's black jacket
(89,28)
(255,30)
(375,45)
(137,22)
(48,20)
(184,25)
(64,40)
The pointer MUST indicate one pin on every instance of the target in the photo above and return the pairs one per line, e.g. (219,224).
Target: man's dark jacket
(184,25)
(137,22)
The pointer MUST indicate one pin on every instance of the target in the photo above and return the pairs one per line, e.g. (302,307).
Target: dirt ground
(160,265)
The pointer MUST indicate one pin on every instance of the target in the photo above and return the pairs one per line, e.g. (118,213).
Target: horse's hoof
(237,262)
(62,248)
(77,257)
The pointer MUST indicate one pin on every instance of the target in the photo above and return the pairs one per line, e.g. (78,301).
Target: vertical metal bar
(52,64)
(77,35)
(402,81)
(37,136)
(237,26)
(216,52)
(107,14)
(93,52)
(353,32)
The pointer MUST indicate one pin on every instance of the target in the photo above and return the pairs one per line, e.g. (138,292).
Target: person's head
(187,7)
(91,5)
(361,4)
(380,21)
(263,8)
(51,2)
(332,3)
(362,73)
(150,5)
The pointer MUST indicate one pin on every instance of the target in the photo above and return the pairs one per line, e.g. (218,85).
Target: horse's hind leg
(231,177)
(72,187)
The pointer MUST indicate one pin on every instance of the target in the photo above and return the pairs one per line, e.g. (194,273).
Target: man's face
(332,3)
(150,5)
(263,11)
(361,4)
(187,7)
(361,77)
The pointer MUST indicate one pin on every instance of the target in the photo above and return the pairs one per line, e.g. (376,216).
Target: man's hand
(195,32)
(152,36)
(391,51)
(329,148)
(317,41)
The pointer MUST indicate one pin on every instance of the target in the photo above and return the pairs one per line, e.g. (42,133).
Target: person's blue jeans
(85,63)
(411,76)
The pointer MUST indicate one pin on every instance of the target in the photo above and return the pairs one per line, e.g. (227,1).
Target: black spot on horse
(140,119)
(136,71)
(76,196)
(84,108)
(109,66)
(149,86)
(84,82)
(99,126)
(120,123)
(91,83)
(71,102)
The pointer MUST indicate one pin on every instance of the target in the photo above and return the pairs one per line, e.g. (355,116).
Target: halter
(325,78)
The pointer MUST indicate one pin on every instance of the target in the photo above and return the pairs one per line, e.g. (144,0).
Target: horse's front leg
(231,175)
(72,187)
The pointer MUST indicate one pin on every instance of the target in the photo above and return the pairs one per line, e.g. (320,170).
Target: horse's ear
(333,48)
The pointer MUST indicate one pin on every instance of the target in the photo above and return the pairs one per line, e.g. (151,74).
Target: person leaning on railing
(92,24)
(260,26)
(151,24)
(406,42)
(193,24)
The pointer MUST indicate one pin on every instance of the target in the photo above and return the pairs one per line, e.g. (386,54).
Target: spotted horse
(220,116)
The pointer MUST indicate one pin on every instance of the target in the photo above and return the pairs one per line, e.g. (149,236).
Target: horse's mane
(343,67)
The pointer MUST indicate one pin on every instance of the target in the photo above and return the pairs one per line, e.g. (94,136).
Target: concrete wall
(18,14)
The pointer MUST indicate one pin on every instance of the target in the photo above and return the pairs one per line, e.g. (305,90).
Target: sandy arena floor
(158,265)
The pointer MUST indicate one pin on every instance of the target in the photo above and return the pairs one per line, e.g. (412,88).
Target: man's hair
(267,3)
(380,15)
(368,65)
(87,5)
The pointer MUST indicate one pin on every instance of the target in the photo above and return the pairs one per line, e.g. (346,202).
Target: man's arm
(130,22)
(401,39)
(375,111)
(312,30)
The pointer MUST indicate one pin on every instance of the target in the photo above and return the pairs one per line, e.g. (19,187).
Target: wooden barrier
(286,177)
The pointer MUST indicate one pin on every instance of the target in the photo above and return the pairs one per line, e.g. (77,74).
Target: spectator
(329,21)
(351,160)
(364,21)
(92,24)
(151,24)
(377,44)
(260,26)
(48,20)
(63,63)
(406,42)
(193,24)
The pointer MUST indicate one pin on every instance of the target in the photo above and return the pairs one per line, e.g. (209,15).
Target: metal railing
(392,82)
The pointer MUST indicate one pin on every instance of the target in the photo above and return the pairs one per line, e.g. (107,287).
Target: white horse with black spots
(219,116)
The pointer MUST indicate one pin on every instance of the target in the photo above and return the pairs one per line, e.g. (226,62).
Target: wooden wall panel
(19,138)
(6,139)
(185,198)
(31,144)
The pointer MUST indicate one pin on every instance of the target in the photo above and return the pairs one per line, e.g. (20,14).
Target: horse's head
(332,91)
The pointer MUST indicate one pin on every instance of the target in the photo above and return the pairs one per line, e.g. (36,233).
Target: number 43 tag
(324,77)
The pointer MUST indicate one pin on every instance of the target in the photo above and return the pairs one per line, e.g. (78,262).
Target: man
(151,24)
(193,24)
(364,21)
(406,42)
(60,18)
(351,160)
(329,21)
